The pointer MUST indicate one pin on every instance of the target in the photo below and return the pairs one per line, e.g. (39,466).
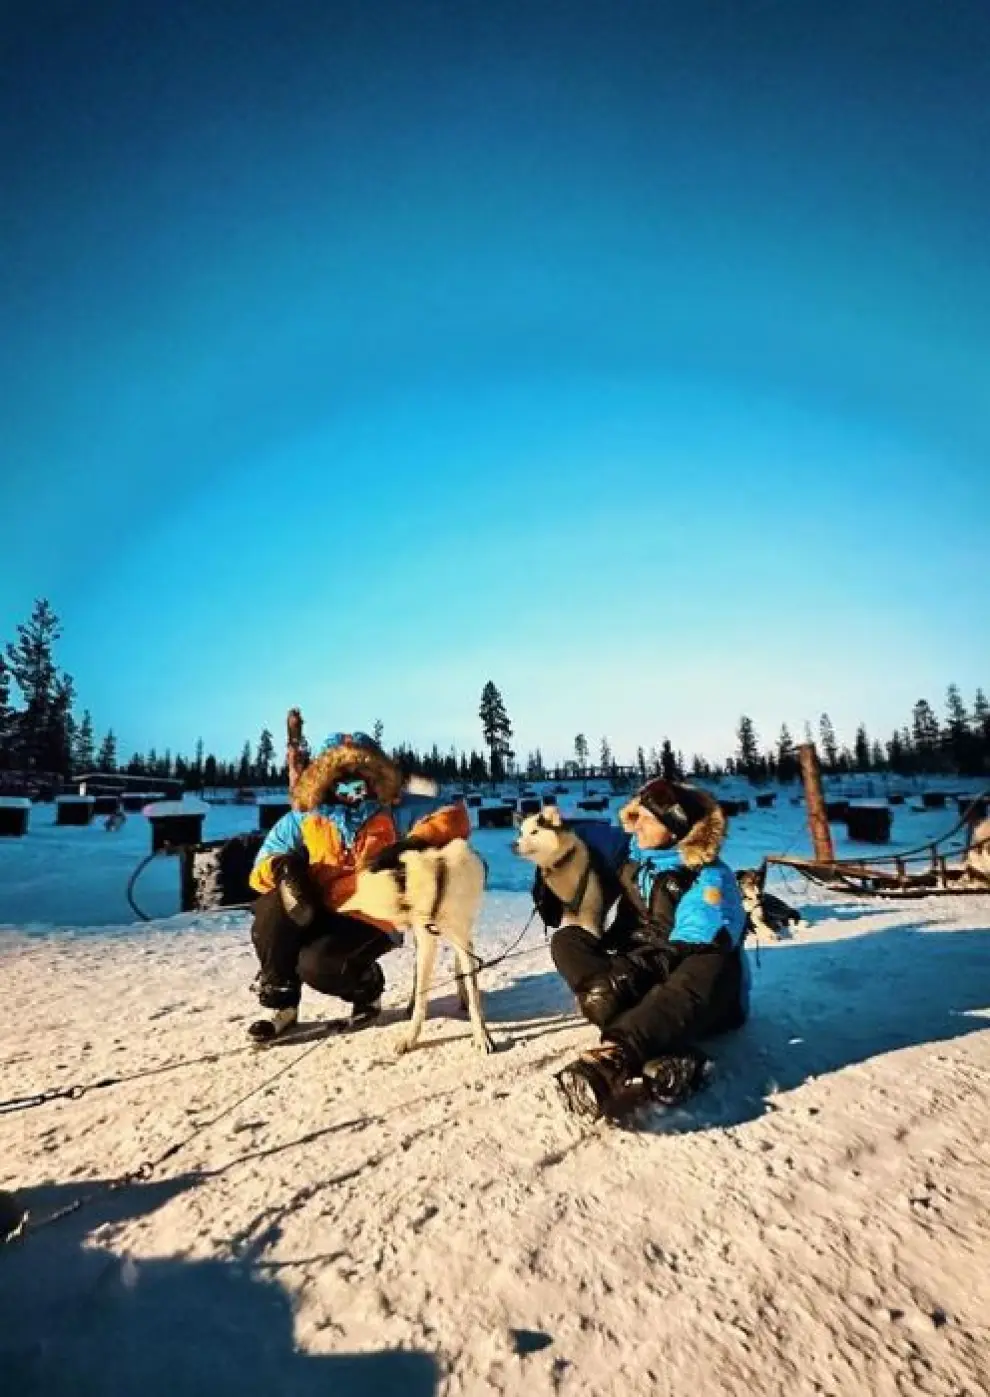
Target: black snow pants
(333,954)
(668,997)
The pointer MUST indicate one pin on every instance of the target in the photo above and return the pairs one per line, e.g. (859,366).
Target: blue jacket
(711,903)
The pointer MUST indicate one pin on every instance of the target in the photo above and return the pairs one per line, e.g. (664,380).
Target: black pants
(333,954)
(667,997)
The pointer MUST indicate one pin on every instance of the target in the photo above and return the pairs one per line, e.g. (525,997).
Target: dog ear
(550,817)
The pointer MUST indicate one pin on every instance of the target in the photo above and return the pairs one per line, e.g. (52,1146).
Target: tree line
(43,739)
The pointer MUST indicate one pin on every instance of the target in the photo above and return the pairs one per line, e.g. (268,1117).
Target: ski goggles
(351,792)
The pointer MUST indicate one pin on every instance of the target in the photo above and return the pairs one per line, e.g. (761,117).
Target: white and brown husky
(435,894)
(566,866)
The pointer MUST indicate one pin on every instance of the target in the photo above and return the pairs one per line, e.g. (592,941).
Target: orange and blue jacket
(339,840)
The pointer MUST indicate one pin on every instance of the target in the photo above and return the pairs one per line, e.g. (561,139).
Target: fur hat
(694,818)
(346,757)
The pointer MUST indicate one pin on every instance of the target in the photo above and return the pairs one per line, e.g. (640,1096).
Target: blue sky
(634,356)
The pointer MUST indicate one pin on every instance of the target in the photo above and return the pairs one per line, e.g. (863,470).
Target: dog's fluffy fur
(565,863)
(407,899)
(765,911)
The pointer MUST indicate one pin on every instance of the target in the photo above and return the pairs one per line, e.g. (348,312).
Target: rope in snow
(80,1089)
(148,1167)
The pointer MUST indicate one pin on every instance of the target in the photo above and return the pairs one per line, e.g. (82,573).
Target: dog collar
(566,859)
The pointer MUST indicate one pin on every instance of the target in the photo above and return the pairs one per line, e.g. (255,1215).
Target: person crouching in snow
(670,968)
(350,812)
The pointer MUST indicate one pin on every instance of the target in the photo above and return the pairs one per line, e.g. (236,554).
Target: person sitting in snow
(350,812)
(670,968)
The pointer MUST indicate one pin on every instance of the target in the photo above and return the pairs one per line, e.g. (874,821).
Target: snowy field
(341,1220)
(60,878)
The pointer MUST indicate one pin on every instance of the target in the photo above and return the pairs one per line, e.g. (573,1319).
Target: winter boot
(589,1084)
(267,1030)
(671,1079)
(367,1002)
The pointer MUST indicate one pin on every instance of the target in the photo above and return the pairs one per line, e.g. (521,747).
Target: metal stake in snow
(811,775)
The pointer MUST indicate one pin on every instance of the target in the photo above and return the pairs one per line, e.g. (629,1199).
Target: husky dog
(978,853)
(436,894)
(566,866)
(764,911)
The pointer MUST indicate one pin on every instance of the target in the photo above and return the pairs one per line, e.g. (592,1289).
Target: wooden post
(296,750)
(811,775)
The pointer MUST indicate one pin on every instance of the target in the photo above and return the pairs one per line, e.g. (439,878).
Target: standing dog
(565,864)
(434,893)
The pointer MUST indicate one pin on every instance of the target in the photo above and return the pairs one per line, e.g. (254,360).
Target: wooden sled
(924,871)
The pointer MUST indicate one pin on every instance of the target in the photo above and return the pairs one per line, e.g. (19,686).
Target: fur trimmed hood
(701,844)
(348,760)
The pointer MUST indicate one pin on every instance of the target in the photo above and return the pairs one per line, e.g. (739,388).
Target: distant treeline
(40,735)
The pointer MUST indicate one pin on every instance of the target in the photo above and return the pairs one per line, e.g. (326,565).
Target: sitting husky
(566,865)
(434,893)
(764,911)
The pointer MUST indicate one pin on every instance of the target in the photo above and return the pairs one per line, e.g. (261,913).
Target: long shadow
(77,1320)
(818,1007)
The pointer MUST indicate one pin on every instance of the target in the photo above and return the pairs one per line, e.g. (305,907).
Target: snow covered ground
(339,1219)
(59,878)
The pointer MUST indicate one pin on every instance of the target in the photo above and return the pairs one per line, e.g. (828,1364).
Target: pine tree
(6,717)
(581,753)
(981,715)
(669,769)
(107,759)
(378,731)
(265,757)
(861,759)
(747,759)
(210,769)
(787,762)
(496,728)
(44,726)
(244,765)
(877,756)
(605,757)
(925,733)
(641,763)
(980,722)
(82,748)
(958,738)
(830,746)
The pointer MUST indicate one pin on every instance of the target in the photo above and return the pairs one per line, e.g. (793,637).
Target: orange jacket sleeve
(443,825)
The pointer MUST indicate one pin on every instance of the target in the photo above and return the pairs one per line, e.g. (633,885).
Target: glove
(291,875)
(390,856)
(547,903)
(285,865)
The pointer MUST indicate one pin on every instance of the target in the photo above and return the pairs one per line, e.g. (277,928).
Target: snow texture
(340,1219)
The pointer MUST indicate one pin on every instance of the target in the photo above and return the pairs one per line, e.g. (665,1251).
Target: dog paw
(405,1044)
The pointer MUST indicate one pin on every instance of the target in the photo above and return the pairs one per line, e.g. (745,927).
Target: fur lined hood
(701,844)
(347,760)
